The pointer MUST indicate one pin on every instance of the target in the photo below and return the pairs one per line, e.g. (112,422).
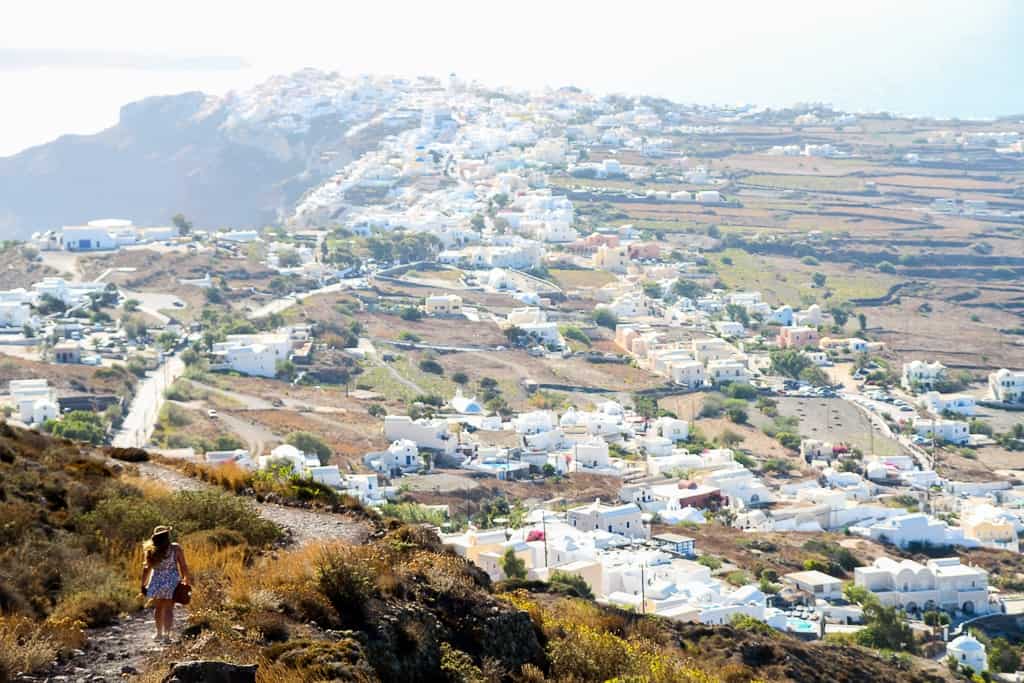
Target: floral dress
(164,577)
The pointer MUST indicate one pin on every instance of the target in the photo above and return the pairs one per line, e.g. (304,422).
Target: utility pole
(544,527)
(643,589)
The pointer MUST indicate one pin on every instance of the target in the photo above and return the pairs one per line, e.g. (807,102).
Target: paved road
(138,425)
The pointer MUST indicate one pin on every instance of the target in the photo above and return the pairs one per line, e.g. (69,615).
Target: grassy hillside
(400,607)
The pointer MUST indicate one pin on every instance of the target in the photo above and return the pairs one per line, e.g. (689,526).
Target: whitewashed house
(937,404)
(254,354)
(34,399)
(626,520)
(1007,386)
(949,431)
(940,584)
(968,651)
(430,434)
(920,375)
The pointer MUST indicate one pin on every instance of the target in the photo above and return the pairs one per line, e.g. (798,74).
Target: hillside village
(661,349)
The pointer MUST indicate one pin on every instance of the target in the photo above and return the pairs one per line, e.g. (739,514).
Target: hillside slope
(239,160)
(398,607)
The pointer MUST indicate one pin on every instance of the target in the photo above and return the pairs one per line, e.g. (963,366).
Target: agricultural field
(581,279)
(788,280)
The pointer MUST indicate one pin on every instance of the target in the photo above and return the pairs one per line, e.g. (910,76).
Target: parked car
(212,414)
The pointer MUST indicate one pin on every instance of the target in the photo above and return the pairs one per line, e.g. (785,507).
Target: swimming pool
(801,625)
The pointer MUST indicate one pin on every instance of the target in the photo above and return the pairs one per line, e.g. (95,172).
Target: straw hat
(161,530)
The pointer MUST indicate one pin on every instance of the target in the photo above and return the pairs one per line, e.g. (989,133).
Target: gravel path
(304,525)
(120,651)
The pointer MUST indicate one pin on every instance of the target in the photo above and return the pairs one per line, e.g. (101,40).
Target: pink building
(797,337)
(644,250)
(590,243)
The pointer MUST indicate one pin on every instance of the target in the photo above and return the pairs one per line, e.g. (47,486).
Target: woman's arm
(145,578)
(183,565)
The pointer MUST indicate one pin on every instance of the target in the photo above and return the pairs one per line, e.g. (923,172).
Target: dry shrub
(227,475)
(341,659)
(586,642)
(24,646)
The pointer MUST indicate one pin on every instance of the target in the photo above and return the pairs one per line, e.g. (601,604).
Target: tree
(789,362)
(377,410)
(310,443)
(737,415)
(516,335)
(288,258)
(411,314)
(1002,657)
(183,224)
(285,370)
(134,327)
(652,290)
(460,378)
(432,366)
(131,305)
(862,322)
(738,314)
(167,340)
(886,628)
(818,279)
(571,583)
(688,289)
(513,566)
(730,438)
(605,318)
(81,425)
(839,316)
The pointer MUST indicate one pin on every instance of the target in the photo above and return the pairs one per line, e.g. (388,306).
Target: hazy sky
(66,66)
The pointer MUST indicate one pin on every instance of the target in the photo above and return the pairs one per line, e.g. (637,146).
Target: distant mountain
(238,160)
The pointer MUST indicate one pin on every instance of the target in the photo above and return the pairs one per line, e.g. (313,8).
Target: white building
(1007,386)
(950,431)
(443,304)
(688,373)
(286,453)
(914,529)
(672,428)
(918,374)
(941,583)
(591,453)
(254,354)
(401,457)
(726,370)
(431,434)
(818,584)
(626,520)
(34,400)
(14,314)
(968,651)
(937,404)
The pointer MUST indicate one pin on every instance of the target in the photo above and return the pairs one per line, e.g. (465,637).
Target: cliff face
(240,160)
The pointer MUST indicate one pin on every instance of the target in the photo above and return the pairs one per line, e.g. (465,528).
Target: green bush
(310,443)
(739,390)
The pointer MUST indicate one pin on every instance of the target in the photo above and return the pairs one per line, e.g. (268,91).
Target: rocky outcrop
(211,672)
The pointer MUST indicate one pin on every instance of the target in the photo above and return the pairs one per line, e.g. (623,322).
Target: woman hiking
(163,569)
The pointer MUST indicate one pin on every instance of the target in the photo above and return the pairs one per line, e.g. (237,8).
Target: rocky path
(120,651)
(303,525)
(111,653)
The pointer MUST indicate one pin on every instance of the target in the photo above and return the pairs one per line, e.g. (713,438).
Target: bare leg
(158,617)
(168,617)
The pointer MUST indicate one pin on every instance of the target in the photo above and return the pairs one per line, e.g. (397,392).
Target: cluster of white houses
(611,548)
